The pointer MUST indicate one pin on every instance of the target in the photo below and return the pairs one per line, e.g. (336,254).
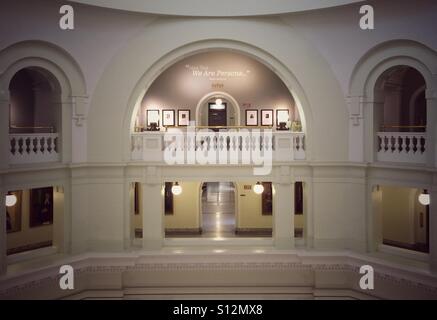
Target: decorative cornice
(10,287)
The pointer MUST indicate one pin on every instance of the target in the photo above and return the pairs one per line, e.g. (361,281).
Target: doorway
(217,115)
(218,209)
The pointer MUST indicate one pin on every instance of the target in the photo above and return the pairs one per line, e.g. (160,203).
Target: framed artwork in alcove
(41,207)
(152,117)
(282,117)
(267,117)
(251,117)
(183,117)
(168,118)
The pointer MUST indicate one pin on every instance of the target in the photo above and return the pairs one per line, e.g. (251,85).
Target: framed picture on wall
(282,118)
(13,214)
(168,118)
(251,117)
(41,207)
(267,117)
(152,117)
(183,118)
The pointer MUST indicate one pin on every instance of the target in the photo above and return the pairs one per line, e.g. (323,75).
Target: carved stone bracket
(79,109)
(356,106)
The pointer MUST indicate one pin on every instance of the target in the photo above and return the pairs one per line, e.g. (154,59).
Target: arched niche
(237,78)
(64,76)
(365,83)
(34,98)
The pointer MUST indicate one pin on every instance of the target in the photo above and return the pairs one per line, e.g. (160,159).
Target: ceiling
(217,8)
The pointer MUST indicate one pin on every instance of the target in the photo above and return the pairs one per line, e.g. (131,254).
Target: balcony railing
(283,145)
(409,147)
(33,148)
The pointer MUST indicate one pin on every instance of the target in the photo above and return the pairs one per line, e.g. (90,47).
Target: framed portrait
(168,118)
(282,117)
(251,117)
(41,207)
(13,214)
(183,118)
(152,117)
(267,117)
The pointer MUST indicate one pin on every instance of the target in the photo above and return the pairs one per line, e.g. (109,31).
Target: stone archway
(217,94)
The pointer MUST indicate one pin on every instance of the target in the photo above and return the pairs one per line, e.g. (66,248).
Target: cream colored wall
(299,221)
(397,214)
(250,208)
(29,235)
(186,208)
(339,208)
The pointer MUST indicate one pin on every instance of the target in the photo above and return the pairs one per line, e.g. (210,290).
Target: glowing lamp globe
(176,189)
(11,200)
(258,188)
(424,199)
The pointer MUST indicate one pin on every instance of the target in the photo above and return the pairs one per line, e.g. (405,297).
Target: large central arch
(190,49)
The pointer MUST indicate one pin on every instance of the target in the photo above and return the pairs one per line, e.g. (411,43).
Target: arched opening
(400,115)
(401,91)
(186,90)
(35,116)
(34,102)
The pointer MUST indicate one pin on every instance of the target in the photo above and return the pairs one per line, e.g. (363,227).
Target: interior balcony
(35,117)
(400,117)
(281,146)
(27,148)
(402,147)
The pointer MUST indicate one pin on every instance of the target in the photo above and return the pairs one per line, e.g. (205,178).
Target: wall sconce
(424,198)
(176,189)
(258,188)
(11,199)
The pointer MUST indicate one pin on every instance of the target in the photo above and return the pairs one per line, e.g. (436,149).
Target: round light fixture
(258,188)
(11,200)
(176,189)
(424,199)
(218,102)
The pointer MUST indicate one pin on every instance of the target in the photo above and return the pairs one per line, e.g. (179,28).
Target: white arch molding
(362,87)
(178,54)
(62,67)
(218,94)
(364,79)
